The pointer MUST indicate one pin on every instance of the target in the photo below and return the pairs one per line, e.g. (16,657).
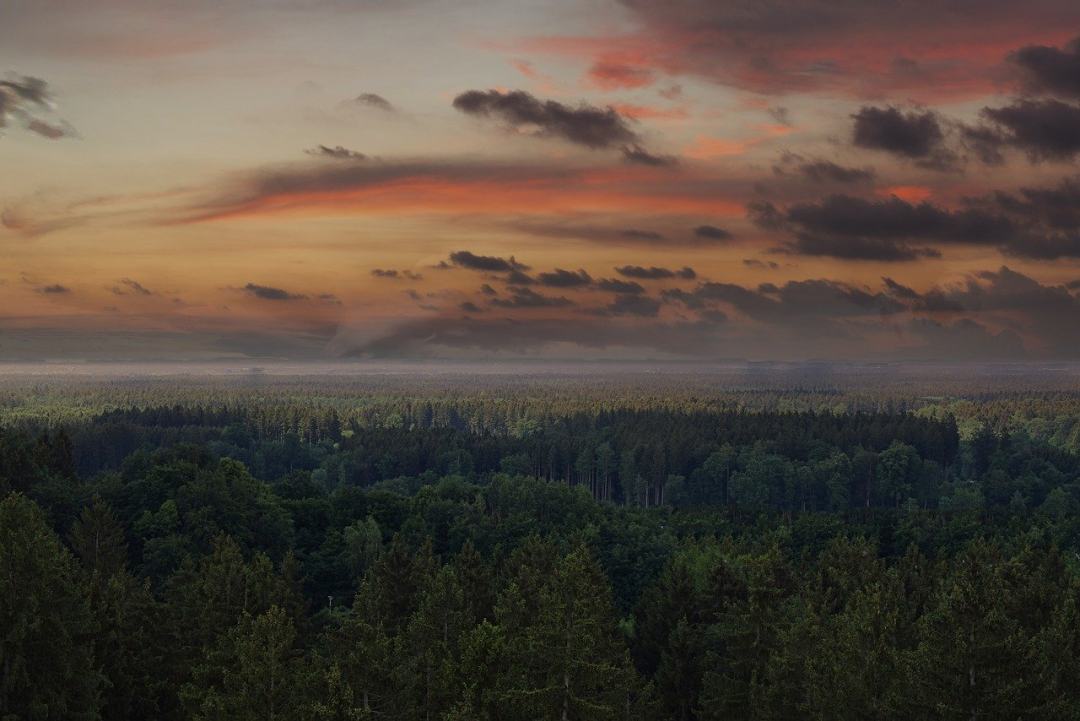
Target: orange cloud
(948,60)
(629,190)
(649,112)
(910,193)
(614,75)
(705,147)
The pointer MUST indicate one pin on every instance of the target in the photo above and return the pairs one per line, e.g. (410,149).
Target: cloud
(634,304)
(1044,129)
(378,102)
(1050,69)
(915,135)
(585,124)
(849,227)
(517,277)
(437,336)
(603,229)
(791,303)
(393,274)
(449,185)
(266,292)
(988,314)
(871,48)
(822,171)
(528,298)
(22,98)
(335,153)
(638,234)
(711,232)
(127,286)
(614,285)
(470,307)
(654,273)
(1031,222)
(328,298)
(965,339)
(615,76)
(560,278)
(489,263)
(55,289)
(639,155)
(26,89)
(760,264)
(899,290)
(49,130)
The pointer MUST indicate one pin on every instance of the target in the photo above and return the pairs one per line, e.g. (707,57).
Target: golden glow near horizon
(340,178)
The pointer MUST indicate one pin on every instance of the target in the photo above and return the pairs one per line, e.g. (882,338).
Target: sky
(623,179)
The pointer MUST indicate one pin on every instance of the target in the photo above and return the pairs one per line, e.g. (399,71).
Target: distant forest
(546,548)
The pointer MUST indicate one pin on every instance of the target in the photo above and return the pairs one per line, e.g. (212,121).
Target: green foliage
(502,557)
(47,668)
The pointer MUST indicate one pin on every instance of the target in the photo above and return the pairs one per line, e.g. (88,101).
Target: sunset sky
(320,179)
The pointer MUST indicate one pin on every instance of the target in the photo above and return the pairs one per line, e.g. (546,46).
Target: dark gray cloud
(127,286)
(856,248)
(760,264)
(639,155)
(266,292)
(898,290)
(1031,222)
(790,303)
(394,274)
(328,298)
(822,171)
(560,278)
(849,227)
(528,298)
(711,232)
(54,289)
(965,339)
(633,304)
(470,307)
(489,263)
(34,91)
(585,124)
(1044,129)
(638,234)
(517,277)
(1057,207)
(916,135)
(989,314)
(654,273)
(607,234)
(337,152)
(614,285)
(1049,69)
(22,99)
(372,100)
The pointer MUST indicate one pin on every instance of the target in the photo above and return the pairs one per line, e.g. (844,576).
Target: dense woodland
(262,551)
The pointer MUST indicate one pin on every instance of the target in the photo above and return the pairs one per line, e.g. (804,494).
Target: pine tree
(972,657)
(47,668)
(574,665)
(253,673)
(98,540)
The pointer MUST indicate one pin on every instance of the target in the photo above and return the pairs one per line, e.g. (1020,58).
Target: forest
(432,548)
